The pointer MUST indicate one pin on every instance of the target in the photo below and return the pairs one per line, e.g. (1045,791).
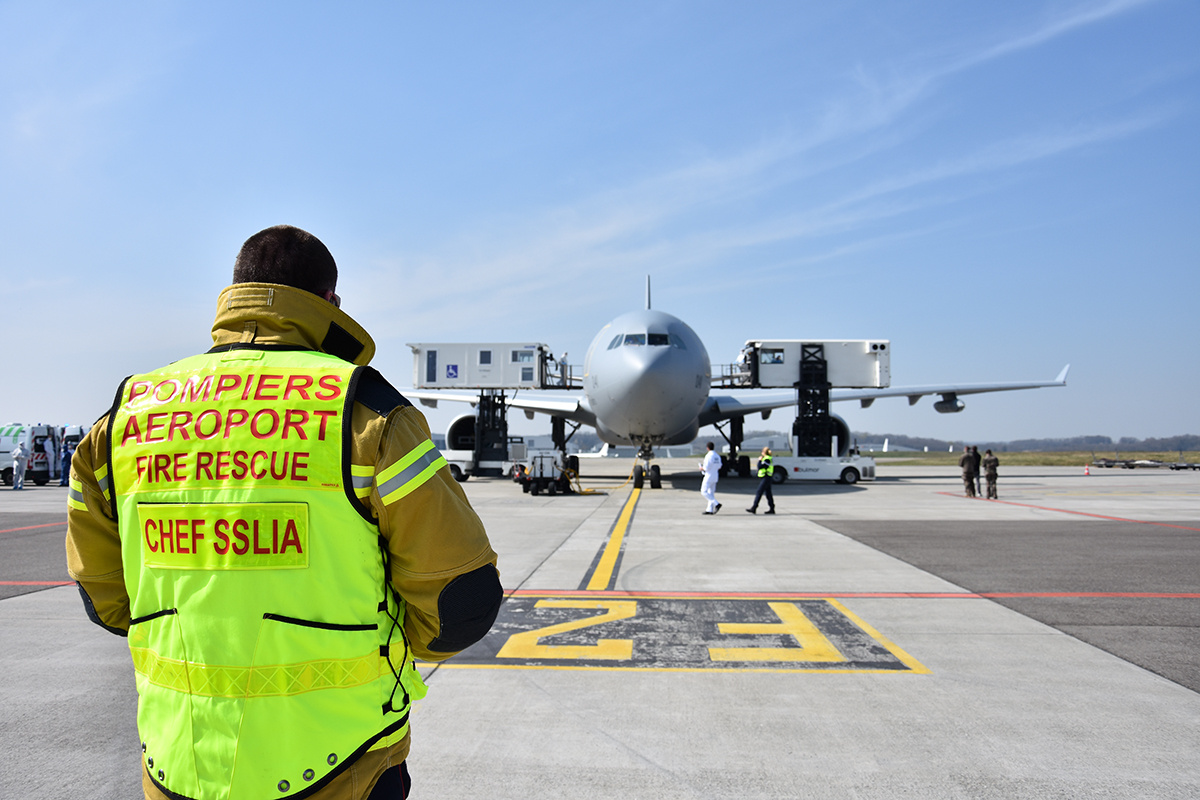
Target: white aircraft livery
(647,378)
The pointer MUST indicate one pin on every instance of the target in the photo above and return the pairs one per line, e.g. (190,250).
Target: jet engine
(461,433)
(949,404)
(841,432)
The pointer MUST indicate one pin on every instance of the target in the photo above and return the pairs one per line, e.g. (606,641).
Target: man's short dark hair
(709,445)
(287,255)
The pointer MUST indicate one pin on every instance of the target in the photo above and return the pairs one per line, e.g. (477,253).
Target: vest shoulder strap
(108,450)
(374,392)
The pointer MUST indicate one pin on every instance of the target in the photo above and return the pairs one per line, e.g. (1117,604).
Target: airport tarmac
(891,639)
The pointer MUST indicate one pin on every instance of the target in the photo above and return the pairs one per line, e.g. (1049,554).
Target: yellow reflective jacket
(764,466)
(430,534)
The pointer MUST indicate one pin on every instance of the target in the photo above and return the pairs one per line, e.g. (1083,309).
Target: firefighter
(291,540)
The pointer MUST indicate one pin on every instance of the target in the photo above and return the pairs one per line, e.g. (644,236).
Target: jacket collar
(273,314)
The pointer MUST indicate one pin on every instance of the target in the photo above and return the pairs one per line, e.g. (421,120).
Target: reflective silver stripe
(362,481)
(408,473)
(75,494)
(103,483)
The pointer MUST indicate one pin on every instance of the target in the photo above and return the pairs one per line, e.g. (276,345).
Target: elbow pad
(93,616)
(467,607)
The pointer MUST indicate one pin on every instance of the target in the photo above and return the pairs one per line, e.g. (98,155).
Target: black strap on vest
(112,475)
(339,342)
(377,394)
(372,390)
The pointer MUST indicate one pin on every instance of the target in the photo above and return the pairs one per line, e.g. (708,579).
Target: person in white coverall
(20,457)
(710,466)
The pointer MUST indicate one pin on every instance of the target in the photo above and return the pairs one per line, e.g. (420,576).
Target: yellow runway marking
(690,633)
(603,573)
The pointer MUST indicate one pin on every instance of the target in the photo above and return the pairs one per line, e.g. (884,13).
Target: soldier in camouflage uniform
(990,463)
(967,462)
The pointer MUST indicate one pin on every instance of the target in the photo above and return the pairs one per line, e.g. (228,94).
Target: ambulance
(42,467)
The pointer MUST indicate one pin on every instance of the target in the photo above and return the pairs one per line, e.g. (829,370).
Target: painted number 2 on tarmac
(657,633)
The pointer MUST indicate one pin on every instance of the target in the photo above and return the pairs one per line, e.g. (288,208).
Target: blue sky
(999,189)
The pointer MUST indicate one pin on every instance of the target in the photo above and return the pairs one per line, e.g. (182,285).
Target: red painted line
(1080,513)
(733,595)
(31,527)
(37,583)
(867,595)
(1139,595)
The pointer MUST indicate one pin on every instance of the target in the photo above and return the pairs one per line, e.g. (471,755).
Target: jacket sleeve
(93,541)
(442,564)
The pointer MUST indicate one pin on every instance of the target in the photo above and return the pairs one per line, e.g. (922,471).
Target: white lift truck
(479,444)
(850,468)
(820,441)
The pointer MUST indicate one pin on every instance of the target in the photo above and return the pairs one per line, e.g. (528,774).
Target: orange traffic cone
(1087,469)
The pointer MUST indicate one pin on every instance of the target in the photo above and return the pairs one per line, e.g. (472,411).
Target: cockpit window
(635,338)
(616,341)
(677,342)
(658,339)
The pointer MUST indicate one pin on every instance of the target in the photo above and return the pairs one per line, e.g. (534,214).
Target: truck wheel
(778,474)
(639,476)
(743,466)
(457,473)
(849,475)
(552,489)
(535,489)
(41,481)
(655,477)
(6,476)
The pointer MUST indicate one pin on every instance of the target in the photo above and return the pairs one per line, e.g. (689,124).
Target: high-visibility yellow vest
(268,646)
(764,466)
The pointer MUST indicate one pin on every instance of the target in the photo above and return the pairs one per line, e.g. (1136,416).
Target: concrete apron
(959,697)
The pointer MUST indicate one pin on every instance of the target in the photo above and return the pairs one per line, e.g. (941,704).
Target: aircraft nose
(654,394)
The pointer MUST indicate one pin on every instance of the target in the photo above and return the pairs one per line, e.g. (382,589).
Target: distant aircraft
(646,382)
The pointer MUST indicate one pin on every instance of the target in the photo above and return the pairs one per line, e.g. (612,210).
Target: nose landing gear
(646,469)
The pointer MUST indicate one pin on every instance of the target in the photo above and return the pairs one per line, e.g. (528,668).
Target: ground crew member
(765,471)
(271,526)
(978,459)
(711,468)
(68,451)
(990,463)
(20,457)
(967,462)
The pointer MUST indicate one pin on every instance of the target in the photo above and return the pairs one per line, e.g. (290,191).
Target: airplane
(647,378)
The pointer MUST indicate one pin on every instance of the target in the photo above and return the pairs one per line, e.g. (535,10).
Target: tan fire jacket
(434,536)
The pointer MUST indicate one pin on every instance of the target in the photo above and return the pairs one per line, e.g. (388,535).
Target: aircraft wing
(572,408)
(949,392)
(722,407)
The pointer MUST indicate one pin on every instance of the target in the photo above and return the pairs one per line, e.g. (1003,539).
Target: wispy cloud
(689,216)
(1058,25)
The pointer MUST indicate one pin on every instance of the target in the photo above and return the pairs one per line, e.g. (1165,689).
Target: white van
(43,466)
